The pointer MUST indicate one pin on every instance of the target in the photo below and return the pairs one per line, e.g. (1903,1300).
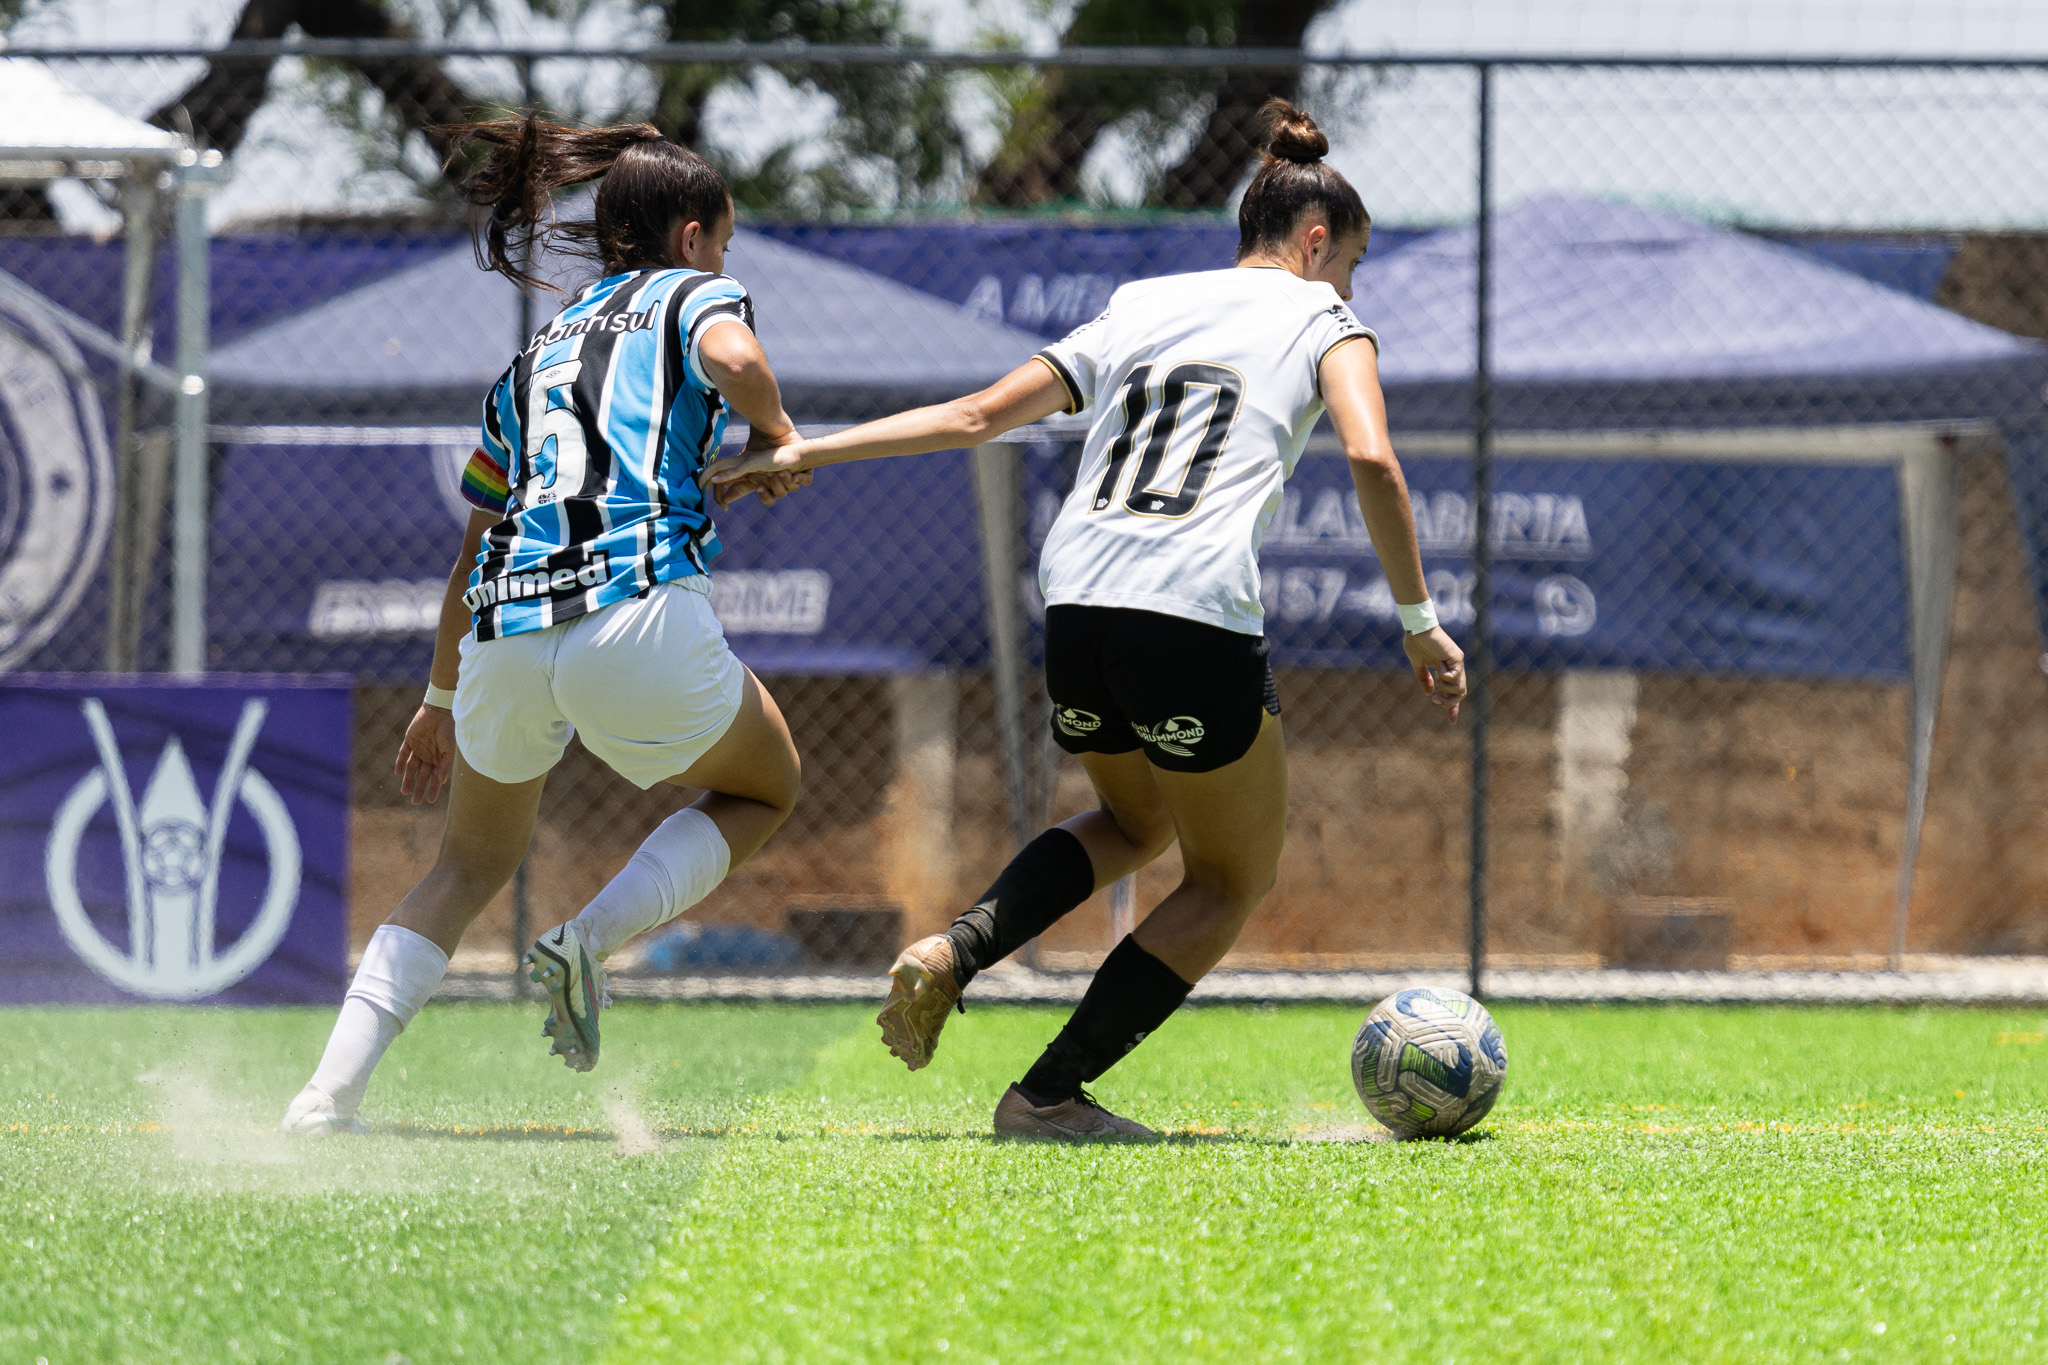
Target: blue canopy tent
(423,345)
(1610,316)
(1638,337)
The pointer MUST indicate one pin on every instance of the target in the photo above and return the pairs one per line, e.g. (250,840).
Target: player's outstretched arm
(1350,377)
(426,756)
(1025,395)
(738,368)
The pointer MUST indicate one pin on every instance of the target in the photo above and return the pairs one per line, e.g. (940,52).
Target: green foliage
(894,141)
(1675,1183)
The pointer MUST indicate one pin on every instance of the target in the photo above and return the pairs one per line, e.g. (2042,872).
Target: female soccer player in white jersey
(578,603)
(1204,389)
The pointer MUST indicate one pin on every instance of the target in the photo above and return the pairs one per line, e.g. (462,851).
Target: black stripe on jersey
(498,540)
(1065,377)
(495,429)
(735,310)
(675,373)
(600,340)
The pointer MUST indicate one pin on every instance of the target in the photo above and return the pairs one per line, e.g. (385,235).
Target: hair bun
(1294,136)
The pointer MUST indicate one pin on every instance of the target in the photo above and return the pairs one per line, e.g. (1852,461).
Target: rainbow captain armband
(1419,618)
(484,485)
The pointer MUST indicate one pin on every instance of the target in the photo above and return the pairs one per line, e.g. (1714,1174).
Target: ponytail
(1294,181)
(647,186)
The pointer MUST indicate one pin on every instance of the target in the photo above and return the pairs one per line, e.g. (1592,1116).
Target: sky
(1904,150)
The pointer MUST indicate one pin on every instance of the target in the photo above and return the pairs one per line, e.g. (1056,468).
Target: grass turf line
(1660,1183)
(1679,1183)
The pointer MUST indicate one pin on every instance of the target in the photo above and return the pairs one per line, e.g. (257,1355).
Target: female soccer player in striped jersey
(1205,388)
(579,602)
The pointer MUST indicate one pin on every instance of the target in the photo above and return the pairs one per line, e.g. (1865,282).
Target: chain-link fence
(1738,474)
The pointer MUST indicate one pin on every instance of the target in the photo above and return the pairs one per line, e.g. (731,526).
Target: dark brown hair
(647,185)
(1294,181)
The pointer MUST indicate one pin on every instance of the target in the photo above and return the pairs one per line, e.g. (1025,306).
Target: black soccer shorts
(1193,695)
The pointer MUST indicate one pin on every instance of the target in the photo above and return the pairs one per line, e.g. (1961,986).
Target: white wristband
(1419,618)
(443,697)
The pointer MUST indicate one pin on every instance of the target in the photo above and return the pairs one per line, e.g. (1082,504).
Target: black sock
(1050,877)
(1131,995)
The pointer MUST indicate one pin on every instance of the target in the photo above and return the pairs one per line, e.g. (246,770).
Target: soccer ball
(1428,1062)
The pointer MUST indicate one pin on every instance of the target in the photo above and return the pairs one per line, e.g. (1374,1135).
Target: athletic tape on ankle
(679,864)
(399,971)
(690,856)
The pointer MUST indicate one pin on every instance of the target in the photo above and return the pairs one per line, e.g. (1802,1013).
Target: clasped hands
(770,467)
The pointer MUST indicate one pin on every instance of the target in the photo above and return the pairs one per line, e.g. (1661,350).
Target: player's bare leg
(1231,824)
(1045,881)
(488,828)
(750,779)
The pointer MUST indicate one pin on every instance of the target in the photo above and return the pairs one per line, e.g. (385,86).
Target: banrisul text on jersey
(592,443)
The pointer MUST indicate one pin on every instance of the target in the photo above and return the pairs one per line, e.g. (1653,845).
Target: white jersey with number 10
(1205,388)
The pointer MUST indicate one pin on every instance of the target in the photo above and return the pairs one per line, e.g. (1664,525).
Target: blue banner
(335,558)
(171,841)
(1653,564)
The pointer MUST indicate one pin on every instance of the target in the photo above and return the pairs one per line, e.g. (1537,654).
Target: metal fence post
(1479,652)
(522,878)
(999,498)
(999,494)
(192,476)
(128,584)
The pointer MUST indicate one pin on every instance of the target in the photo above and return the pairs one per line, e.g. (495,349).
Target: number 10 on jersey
(1167,404)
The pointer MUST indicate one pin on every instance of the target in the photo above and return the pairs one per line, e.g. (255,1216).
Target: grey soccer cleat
(922,993)
(575,984)
(312,1115)
(1076,1120)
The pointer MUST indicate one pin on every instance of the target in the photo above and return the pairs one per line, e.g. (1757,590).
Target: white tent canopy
(43,119)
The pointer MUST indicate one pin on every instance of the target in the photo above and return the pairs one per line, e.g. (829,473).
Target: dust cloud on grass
(619,1097)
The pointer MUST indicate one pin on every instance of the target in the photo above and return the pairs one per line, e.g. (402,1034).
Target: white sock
(679,865)
(399,972)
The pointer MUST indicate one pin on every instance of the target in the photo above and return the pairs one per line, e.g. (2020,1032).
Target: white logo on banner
(56,488)
(771,601)
(171,845)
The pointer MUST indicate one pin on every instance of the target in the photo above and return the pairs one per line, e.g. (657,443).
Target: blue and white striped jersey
(600,428)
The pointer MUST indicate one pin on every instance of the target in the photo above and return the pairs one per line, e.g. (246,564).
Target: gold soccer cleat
(922,993)
(1075,1120)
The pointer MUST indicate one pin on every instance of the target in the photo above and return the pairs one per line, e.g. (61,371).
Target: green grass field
(767,1184)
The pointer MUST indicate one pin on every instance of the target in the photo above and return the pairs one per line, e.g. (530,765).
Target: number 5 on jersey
(555,451)
(1170,399)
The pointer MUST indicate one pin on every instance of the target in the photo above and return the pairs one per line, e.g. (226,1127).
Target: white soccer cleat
(575,984)
(312,1116)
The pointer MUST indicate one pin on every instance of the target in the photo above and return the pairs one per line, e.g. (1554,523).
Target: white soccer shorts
(649,683)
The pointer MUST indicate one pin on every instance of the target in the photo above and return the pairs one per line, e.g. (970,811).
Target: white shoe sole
(313,1122)
(576,1044)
